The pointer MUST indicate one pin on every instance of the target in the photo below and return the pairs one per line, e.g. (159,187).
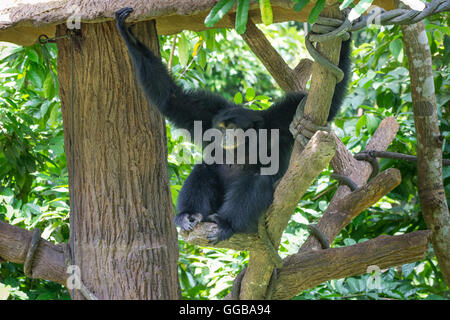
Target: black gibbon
(231,195)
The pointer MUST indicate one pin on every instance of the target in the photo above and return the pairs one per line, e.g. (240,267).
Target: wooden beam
(22,21)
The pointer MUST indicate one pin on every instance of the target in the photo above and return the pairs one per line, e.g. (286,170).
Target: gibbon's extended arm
(280,114)
(180,107)
(341,88)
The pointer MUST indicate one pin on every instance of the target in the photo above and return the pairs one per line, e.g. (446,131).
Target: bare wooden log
(429,143)
(48,262)
(307,270)
(348,207)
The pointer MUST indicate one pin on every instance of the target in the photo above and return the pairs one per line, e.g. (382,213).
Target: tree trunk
(125,242)
(429,143)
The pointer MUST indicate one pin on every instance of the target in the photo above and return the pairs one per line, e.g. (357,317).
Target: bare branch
(348,207)
(307,270)
(287,79)
(48,262)
(359,171)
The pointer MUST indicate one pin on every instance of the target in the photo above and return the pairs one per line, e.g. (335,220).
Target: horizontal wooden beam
(48,262)
(22,21)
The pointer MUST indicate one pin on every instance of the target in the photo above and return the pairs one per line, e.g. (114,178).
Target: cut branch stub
(348,207)
(359,171)
(48,261)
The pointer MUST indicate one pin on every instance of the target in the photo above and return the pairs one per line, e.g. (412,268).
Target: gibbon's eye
(223,125)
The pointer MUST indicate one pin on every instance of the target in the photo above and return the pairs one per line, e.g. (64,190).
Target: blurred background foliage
(33,173)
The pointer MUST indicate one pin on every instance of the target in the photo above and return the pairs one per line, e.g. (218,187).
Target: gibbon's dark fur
(233,196)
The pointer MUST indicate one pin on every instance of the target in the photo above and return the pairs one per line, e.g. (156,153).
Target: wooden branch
(348,207)
(402,157)
(359,171)
(302,73)
(307,270)
(323,81)
(429,143)
(285,77)
(48,262)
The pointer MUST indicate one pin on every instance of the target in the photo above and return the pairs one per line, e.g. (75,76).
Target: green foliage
(223,6)
(33,174)
(218,12)
(242,16)
(314,14)
(300,4)
(266,12)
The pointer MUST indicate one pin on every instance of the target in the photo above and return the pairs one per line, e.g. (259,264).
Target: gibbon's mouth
(230,140)
(230,147)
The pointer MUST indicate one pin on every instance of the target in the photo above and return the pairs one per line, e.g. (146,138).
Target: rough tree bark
(429,143)
(125,239)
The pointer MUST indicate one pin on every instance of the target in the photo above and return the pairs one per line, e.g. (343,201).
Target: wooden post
(125,239)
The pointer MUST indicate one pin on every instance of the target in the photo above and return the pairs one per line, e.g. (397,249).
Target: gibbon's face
(234,123)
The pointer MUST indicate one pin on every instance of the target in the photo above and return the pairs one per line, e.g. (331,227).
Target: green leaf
(353,285)
(361,122)
(349,241)
(217,13)
(250,94)
(300,5)
(372,123)
(44,108)
(36,76)
(242,16)
(49,89)
(359,9)
(407,269)
(315,12)
(345,4)
(183,50)
(201,58)
(396,48)
(238,98)
(266,12)
(32,55)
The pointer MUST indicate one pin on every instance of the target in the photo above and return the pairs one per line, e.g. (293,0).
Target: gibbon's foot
(187,221)
(223,232)
(122,15)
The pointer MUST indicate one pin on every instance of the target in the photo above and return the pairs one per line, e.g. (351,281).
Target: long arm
(281,113)
(180,107)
